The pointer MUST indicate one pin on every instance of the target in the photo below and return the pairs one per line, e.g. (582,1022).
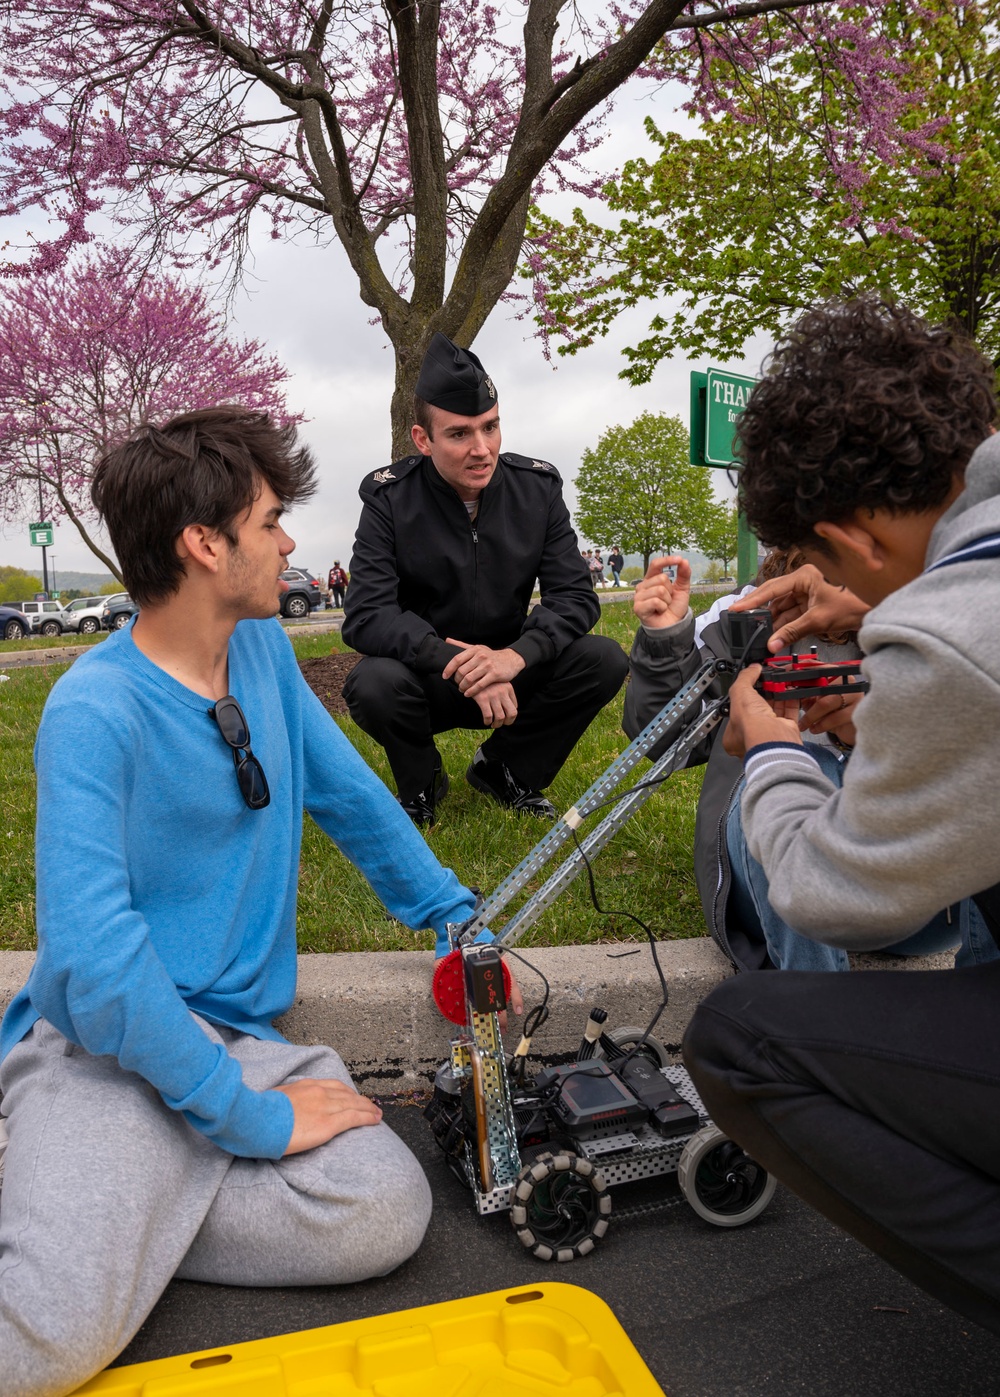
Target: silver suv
(44,617)
(84,615)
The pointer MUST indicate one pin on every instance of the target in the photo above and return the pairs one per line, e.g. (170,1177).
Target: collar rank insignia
(383,475)
(488,384)
(540,466)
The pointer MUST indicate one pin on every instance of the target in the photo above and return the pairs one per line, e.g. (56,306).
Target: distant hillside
(89,582)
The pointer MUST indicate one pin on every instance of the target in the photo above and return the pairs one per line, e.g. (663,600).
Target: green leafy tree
(719,538)
(17,585)
(637,486)
(753,221)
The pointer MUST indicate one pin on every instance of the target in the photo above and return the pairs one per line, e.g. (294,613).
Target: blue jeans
(960,926)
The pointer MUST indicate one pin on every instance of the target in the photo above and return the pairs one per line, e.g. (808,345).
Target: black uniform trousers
(556,702)
(875,1096)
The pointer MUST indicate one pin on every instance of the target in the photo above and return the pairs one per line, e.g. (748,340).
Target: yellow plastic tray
(535,1341)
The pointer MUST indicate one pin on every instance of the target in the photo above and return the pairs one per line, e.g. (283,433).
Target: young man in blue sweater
(158,1123)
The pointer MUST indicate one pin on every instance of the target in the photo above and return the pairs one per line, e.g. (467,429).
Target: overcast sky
(303,304)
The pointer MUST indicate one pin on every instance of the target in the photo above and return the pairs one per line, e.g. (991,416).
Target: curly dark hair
(863,406)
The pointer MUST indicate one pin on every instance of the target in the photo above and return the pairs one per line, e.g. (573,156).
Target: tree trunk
(408,359)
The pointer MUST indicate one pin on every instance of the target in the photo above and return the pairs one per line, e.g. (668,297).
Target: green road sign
(726,396)
(717,399)
(41,535)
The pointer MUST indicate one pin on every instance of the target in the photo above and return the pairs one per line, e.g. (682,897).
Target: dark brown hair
(863,406)
(422,415)
(204,468)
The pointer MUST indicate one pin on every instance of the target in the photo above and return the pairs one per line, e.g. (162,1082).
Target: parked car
(84,615)
(14,625)
(303,595)
(44,617)
(117,611)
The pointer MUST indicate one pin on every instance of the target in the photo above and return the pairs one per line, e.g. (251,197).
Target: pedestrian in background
(336,585)
(616,561)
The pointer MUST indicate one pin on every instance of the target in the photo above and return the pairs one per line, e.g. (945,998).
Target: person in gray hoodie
(876,1096)
(670,646)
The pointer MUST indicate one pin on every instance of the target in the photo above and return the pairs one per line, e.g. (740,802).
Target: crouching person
(159,1125)
(869,445)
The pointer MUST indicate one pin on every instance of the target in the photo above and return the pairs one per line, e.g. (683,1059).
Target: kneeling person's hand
(497,704)
(325,1107)
(477,667)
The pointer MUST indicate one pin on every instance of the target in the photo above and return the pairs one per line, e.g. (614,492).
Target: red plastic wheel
(449,986)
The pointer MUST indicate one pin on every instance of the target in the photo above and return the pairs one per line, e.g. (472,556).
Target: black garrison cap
(455,380)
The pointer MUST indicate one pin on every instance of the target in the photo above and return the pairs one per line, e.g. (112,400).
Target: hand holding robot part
(803,603)
(753,719)
(833,715)
(660,602)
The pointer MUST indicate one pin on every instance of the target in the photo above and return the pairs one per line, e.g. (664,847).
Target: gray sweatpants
(107,1194)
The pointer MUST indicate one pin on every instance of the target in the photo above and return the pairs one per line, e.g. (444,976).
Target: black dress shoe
(421,807)
(496,780)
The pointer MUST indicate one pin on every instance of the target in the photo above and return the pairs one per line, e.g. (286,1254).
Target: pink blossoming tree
(415,132)
(88,353)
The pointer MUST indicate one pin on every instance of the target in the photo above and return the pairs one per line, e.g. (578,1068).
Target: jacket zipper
(475,566)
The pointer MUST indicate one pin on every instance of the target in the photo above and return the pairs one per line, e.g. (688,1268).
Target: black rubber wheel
(51,628)
(13,630)
(296,606)
(721,1182)
(652,1049)
(89,625)
(561,1207)
(120,621)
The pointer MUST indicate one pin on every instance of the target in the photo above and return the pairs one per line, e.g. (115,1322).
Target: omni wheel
(652,1049)
(720,1181)
(561,1207)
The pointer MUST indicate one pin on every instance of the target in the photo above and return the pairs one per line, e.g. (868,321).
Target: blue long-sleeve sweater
(161,894)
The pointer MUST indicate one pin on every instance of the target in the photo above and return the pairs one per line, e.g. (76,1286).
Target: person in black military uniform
(448,548)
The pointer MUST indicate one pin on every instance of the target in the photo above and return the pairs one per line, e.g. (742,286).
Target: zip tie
(573,818)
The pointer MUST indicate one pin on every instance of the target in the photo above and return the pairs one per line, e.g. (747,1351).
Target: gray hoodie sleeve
(916,825)
(660,664)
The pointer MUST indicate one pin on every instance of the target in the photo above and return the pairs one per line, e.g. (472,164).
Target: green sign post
(717,399)
(42,535)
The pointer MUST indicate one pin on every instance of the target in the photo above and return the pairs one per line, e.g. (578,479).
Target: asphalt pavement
(786,1305)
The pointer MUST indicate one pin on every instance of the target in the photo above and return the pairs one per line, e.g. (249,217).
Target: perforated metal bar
(500,1130)
(674,757)
(604,787)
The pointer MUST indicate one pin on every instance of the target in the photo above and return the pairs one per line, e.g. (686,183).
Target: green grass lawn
(51,642)
(646,869)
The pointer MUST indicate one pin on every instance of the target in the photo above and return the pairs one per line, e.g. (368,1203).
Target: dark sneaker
(496,780)
(421,807)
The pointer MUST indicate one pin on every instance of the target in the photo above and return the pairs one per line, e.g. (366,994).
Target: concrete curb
(376,1009)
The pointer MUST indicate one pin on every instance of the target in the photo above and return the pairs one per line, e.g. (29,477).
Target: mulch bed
(326,677)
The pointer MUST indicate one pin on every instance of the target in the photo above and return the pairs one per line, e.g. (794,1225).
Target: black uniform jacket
(421,571)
